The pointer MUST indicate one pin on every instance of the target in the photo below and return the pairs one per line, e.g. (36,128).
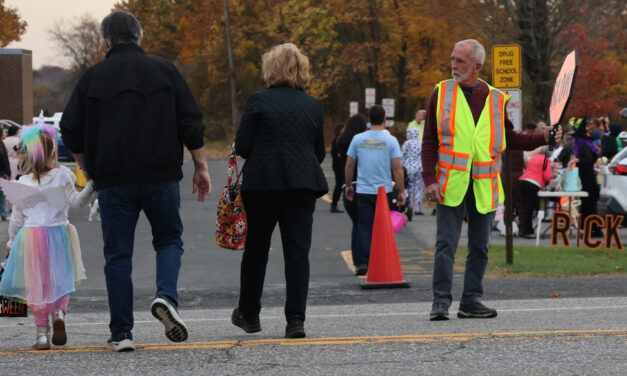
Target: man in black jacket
(126,123)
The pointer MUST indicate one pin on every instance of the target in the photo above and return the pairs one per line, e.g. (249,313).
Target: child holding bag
(44,263)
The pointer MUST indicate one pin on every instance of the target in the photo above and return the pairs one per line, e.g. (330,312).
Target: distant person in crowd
(337,164)
(376,154)
(536,176)
(356,124)
(610,143)
(11,143)
(461,162)
(44,265)
(595,129)
(587,152)
(419,123)
(281,137)
(413,164)
(126,123)
(5,173)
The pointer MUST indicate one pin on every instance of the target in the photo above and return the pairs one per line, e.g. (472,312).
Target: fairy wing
(25,196)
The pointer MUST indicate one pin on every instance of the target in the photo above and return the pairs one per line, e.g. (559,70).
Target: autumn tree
(596,75)
(538,26)
(11,25)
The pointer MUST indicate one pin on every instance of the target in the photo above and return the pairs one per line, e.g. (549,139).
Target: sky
(41,15)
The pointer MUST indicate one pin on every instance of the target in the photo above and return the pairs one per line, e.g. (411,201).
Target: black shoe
(334,209)
(433,212)
(249,324)
(439,311)
(475,310)
(295,329)
(409,214)
(419,213)
(361,270)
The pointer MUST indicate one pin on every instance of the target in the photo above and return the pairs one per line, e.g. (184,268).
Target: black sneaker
(295,329)
(361,270)
(249,324)
(475,310)
(334,209)
(439,311)
(122,343)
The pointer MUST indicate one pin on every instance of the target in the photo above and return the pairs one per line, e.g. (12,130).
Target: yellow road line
(326,198)
(412,338)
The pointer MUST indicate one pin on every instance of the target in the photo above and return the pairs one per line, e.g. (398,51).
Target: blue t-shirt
(374,151)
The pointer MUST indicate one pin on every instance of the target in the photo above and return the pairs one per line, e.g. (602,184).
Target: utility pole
(229,50)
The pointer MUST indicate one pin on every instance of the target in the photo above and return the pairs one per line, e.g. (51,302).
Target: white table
(549,194)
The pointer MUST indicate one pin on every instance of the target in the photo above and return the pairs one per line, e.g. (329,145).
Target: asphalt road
(350,330)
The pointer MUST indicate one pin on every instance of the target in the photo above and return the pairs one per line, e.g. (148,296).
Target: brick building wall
(16,85)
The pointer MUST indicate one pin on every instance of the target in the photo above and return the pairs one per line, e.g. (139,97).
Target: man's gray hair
(121,28)
(477,52)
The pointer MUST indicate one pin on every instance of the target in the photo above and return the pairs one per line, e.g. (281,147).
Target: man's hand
(201,183)
(202,180)
(349,192)
(434,192)
(558,135)
(401,198)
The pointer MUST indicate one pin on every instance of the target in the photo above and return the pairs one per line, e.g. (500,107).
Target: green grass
(530,261)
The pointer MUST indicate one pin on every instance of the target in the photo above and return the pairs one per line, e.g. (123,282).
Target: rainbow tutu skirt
(44,265)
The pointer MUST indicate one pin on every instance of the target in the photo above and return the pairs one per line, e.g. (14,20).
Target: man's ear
(141,36)
(107,44)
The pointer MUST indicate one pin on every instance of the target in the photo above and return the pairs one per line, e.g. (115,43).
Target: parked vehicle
(613,195)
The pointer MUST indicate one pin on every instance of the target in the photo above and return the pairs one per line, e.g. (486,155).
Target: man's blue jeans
(119,211)
(366,205)
(449,225)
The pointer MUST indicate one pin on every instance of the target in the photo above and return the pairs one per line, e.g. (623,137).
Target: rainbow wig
(30,139)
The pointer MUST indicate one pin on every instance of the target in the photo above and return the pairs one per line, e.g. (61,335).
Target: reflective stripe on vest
(447,114)
(496,116)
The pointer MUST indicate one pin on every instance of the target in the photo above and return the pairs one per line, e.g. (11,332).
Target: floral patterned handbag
(231,224)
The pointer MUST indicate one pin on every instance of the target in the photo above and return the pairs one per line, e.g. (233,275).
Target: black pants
(530,197)
(338,171)
(293,210)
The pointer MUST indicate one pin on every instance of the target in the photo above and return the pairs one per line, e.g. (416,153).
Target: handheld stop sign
(563,89)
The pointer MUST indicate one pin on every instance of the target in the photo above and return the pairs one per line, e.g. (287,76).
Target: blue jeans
(449,225)
(119,211)
(366,205)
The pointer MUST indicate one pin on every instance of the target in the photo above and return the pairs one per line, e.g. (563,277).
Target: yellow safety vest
(464,146)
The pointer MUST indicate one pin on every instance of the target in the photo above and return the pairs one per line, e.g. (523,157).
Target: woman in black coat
(281,138)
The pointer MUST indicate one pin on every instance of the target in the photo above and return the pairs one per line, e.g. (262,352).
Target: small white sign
(514,108)
(389,123)
(353,108)
(388,106)
(370,97)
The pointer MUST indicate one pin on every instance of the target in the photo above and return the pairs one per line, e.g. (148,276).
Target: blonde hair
(38,166)
(285,65)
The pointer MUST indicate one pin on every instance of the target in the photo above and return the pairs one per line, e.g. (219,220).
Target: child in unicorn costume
(44,263)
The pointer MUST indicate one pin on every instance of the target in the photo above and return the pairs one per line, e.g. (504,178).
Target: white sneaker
(59,337)
(175,328)
(42,338)
(122,346)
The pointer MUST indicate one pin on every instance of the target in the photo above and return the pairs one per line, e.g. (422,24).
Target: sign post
(506,73)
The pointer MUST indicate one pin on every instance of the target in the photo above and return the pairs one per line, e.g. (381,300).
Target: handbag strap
(233,168)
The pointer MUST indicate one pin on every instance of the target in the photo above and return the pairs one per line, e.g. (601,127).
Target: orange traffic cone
(384,269)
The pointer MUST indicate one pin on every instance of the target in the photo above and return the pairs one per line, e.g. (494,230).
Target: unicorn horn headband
(31,140)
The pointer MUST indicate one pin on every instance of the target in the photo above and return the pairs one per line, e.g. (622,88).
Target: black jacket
(130,115)
(281,138)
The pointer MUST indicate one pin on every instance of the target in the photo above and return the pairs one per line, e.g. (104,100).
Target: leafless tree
(80,42)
